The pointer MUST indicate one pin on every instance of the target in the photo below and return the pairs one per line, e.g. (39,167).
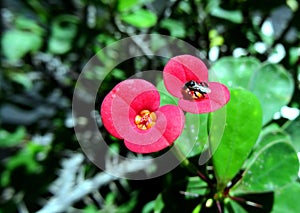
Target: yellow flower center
(145,119)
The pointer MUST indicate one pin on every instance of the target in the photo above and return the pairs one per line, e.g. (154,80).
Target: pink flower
(186,77)
(131,112)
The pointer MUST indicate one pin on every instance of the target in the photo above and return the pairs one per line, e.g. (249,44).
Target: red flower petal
(170,115)
(105,112)
(182,69)
(214,100)
(125,100)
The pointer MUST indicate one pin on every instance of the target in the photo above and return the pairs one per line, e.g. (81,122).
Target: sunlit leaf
(235,72)
(124,5)
(21,78)
(8,139)
(274,88)
(234,16)
(63,31)
(271,83)
(17,43)
(175,27)
(140,18)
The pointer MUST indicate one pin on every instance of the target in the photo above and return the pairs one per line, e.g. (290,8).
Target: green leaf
(165,96)
(235,72)
(194,135)
(140,18)
(21,78)
(197,209)
(287,199)
(272,168)
(124,5)
(234,16)
(175,27)
(26,157)
(233,206)
(17,43)
(293,130)
(274,87)
(149,207)
(8,139)
(90,209)
(159,204)
(23,23)
(270,135)
(271,83)
(196,186)
(243,124)
(63,30)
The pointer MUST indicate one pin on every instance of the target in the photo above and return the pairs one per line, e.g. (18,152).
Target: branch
(67,190)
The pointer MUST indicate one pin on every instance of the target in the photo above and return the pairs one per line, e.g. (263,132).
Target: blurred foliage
(251,45)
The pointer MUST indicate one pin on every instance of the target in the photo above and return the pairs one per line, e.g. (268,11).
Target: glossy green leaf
(235,72)
(272,168)
(274,87)
(243,124)
(287,199)
(140,18)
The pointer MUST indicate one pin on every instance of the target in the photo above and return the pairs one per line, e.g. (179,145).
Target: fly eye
(191,83)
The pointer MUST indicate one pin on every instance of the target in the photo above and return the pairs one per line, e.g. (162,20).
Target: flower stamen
(145,119)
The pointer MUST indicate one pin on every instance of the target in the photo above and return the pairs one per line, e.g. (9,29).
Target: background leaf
(124,5)
(17,43)
(140,18)
(235,72)
(233,16)
(274,88)
(271,83)
(287,199)
(293,130)
(272,168)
